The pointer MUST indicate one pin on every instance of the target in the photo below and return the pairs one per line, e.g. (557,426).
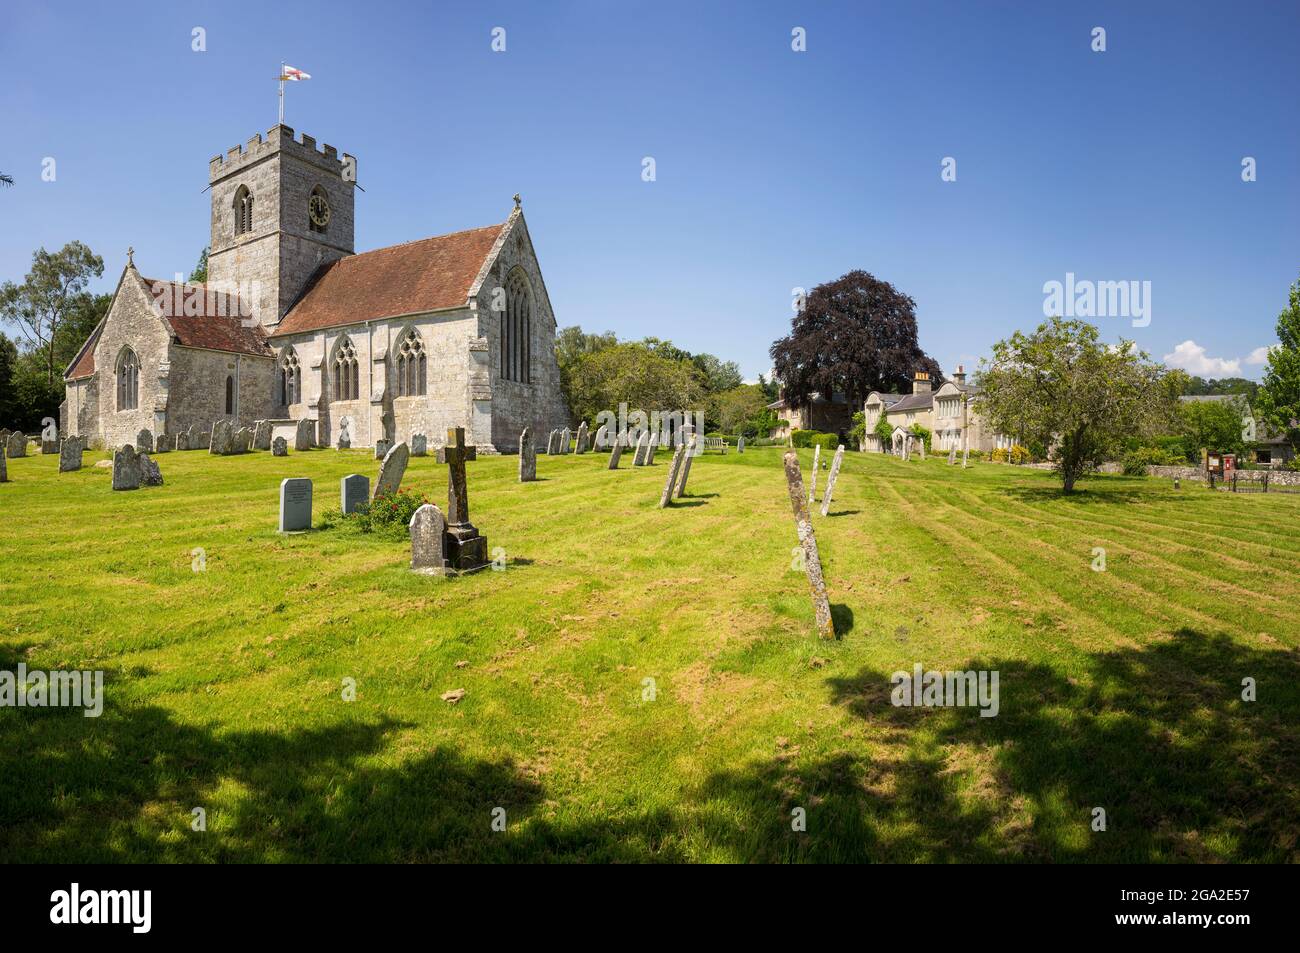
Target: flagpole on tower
(281,93)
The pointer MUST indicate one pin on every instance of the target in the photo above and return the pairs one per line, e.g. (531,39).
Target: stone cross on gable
(455,454)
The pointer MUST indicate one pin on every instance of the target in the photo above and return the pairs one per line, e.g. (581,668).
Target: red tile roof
(207,319)
(84,365)
(425,275)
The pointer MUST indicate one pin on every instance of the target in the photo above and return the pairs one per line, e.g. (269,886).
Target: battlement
(278,139)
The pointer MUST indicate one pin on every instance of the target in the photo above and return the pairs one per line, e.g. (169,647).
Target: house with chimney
(949,413)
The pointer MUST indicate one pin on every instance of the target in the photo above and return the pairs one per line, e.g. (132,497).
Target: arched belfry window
(290,378)
(230,395)
(347,371)
(243,210)
(412,365)
(516,329)
(128,380)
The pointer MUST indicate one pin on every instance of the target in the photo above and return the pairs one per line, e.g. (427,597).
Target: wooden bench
(715,443)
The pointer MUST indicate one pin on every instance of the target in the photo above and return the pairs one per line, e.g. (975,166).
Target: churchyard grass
(226,647)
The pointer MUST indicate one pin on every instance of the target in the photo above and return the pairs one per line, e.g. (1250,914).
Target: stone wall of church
(80,412)
(198,388)
(131,322)
(537,404)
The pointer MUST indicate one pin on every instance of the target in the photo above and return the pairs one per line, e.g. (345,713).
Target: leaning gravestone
(17,445)
(667,495)
(126,469)
(642,448)
(419,445)
(428,541)
(392,470)
(582,437)
(616,453)
(527,458)
(601,440)
(354,490)
(279,447)
(830,480)
(144,441)
(650,451)
(4,463)
(552,443)
(262,435)
(150,475)
(812,481)
(686,465)
(70,455)
(812,562)
(304,435)
(740,444)
(382,447)
(295,505)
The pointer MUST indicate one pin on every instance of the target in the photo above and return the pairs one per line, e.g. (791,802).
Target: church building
(450,331)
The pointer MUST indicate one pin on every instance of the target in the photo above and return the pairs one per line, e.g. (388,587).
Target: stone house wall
(131,321)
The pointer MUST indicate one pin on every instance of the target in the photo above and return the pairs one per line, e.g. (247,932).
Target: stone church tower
(455,330)
(280,210)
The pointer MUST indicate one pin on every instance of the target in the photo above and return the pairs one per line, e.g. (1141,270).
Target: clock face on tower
(319,209)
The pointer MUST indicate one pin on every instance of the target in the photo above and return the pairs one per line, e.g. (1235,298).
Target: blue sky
(775,169)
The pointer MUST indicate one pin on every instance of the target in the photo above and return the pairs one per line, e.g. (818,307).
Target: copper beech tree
(1063,387)
(851,336)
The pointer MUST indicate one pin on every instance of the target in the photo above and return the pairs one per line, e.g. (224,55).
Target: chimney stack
(921,383)
(959,377)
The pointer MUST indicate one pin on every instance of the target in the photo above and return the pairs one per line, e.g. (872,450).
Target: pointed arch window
(128,380)
(230,395)
(516,329)
(347,371)
(412,366)
(290,378)
(243,206)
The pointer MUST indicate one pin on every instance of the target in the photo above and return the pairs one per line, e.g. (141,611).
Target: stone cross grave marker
(615,453)
(830,480)
(812,480)
(262,435)
(812,563)
(582,438)
(354,490)
(527,457)
(279,447)
(392,470)
(295,505)
(674,468)
(428,541)
(126,469)
(466,549)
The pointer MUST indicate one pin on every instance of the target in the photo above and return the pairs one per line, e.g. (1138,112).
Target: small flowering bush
(389,515)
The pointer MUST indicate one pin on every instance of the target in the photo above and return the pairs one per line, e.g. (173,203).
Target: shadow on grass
(1081,494)
(841,619)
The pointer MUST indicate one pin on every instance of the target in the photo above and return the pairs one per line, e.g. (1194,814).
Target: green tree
(40,304)
(1062,386)
(719,375)
(1278,402)
(84,313)
(199,275)
(1213,424)
(8,364)
(630,373)
(742,410)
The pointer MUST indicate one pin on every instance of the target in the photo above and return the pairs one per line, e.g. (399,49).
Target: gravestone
(354,490)
(419,445)
(49,446)
(194,441)
(565,436)
(582,438)
(642,448)
(812,563)
(126,469)
(952,454)
(392,470)
(243,440)
(382,447)
(466,549)
(4,463)
(345,437)
(830,480)
(4,437)
(305,434)
(428,541)
(262,435)
(907,448)
(686,464)
(162,444)
(650,449)
(921,443)
(150,475)
(615,453)
(674,468)
(70,455)
(279,447)
(601,440)
(183,440)
(965,456)
(17,445)
(144,441)
(295,504)
(527,457)
(740,444)
(812,480)
(223,438)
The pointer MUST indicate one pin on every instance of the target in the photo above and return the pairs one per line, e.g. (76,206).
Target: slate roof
(415,277)
(914,402)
